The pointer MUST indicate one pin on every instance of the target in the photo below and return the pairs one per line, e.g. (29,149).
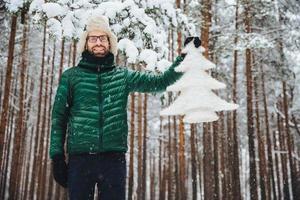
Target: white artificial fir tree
(197,102)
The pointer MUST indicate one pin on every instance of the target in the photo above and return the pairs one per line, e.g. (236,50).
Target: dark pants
(107,170)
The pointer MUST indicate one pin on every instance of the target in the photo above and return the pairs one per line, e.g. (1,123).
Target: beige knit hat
(100,23)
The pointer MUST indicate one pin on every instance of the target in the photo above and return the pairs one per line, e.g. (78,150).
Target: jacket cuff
(177,61)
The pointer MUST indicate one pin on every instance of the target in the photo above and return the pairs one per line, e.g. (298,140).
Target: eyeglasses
(93,39)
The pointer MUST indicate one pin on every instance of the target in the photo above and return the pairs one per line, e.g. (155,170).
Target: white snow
(230,2)
(110,9)
(81,3)
(149,57)
(36,5)
(54,26)
(145,23)
(163,64)
(68,25)
(53,9)
(150,28)
(128,47)
(14,5)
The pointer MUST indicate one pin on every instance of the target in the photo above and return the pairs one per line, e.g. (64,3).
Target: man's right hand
(60,170)
(197,43)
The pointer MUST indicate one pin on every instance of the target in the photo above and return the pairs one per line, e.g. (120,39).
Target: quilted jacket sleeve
(152,82)
(59,118)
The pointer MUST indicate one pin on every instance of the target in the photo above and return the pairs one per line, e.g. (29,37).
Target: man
(90,112)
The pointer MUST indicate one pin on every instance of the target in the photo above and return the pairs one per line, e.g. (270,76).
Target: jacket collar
(93,63)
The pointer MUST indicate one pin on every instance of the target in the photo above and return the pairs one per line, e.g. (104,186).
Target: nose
(98,41)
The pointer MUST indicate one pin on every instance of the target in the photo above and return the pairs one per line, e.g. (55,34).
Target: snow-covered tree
(141,26)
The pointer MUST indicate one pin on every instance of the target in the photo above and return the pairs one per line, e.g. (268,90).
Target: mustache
(98,46)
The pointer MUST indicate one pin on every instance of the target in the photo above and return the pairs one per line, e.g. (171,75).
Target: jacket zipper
(100,110)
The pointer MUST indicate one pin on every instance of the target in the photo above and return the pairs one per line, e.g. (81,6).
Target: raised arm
(150,81)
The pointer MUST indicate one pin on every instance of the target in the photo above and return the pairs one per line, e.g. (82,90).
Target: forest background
(252,153)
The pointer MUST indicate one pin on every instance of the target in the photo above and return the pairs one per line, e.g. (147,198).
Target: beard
(99,51)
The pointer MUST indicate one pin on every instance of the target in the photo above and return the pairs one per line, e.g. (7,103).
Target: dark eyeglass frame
(102,38)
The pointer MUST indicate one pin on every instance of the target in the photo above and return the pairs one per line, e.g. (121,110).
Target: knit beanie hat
(100,23)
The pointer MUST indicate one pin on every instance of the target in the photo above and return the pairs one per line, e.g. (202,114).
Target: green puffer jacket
(90,107)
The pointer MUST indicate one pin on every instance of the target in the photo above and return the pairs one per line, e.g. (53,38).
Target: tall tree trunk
(200,165)
(44,145)
(152,178)
(58,189)
(276,136)
(179,34)
(139,190)
(175,173)
(270,181)
(175,147)
(236,191)
(160,173)
(223,153)
(62,54)
(206,24)
(74,52)
(70,56)
(50,175)
(250,121)
(216,159)
(131,161)
(170,185)
(145,148)
(31,139)
(37,136)
(10,134)
(287,160)
(209,187)
(194,163)
(23,157)
(261,146)
(11,131)
(164,177)
(288,137)
(229,160)
(19,134)
(182,164)
(283,144)
(5,102)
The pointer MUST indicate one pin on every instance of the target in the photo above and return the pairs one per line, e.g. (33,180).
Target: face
(98,43)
